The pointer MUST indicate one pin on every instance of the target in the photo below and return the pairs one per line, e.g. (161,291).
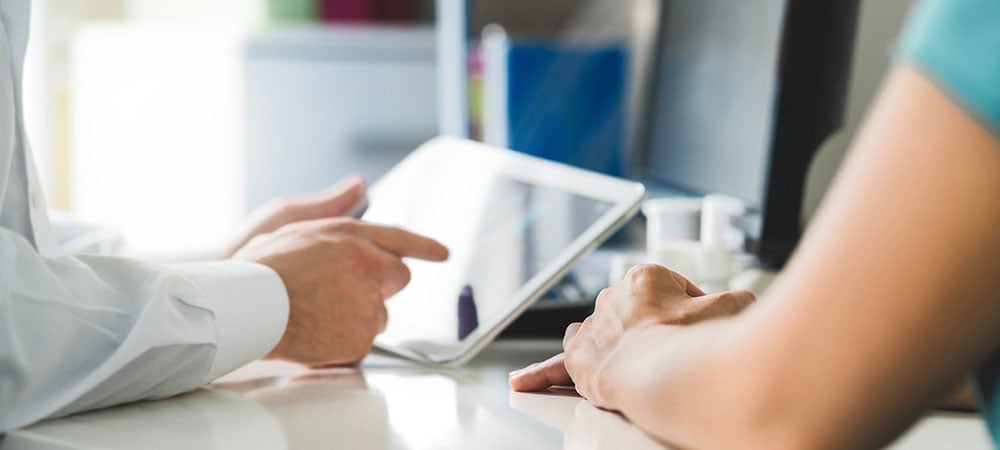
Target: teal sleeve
(957,44)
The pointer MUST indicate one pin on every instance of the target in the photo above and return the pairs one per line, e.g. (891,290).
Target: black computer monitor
(743,95)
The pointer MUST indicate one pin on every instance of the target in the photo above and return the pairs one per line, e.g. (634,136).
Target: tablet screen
(501,232)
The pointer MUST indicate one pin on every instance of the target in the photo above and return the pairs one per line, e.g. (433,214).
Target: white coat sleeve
(86,332)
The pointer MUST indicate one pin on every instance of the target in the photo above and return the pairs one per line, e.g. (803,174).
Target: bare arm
(891,298)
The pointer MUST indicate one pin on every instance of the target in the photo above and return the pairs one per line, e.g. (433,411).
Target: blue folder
(566,103)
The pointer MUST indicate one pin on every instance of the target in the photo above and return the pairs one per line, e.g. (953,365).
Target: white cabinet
(325,102)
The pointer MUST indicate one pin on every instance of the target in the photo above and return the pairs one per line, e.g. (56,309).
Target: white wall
(156,133)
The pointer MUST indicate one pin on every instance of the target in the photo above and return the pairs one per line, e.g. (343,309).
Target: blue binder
(566,103)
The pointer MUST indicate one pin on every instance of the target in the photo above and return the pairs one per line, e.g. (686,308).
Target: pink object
(369,10)
(347,10)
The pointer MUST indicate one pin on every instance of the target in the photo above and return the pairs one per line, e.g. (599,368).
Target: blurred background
(168,121)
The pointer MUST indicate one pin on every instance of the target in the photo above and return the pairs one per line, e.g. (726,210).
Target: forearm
(681,385)
(889,300)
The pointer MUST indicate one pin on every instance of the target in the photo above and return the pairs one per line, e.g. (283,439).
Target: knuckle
(604,297)
(587,324)
(570,332)
(356,250)
(645,273)
(347,225)
(349,248)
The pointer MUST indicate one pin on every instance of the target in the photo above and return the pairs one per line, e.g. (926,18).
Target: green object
(291,10)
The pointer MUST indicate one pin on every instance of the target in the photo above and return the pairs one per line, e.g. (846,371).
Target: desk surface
(388,403)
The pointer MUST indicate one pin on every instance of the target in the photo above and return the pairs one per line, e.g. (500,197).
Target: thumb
(724,304)
(539,376)
(335,201)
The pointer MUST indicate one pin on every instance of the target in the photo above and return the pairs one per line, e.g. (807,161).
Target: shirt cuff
(250,305)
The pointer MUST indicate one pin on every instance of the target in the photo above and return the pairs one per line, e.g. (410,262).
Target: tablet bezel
(625,196)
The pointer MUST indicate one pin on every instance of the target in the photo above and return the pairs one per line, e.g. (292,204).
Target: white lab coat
(85,332)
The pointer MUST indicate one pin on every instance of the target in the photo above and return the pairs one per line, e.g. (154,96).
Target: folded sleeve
(86,332)
(957,44)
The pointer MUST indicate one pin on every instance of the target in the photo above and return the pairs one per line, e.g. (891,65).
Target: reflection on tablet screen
(501,233)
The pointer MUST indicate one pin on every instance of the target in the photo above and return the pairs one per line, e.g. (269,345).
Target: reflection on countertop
(386,403)
(583,425)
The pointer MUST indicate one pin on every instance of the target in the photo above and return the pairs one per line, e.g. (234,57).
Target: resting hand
(337,272)
(649,295)
(333,202)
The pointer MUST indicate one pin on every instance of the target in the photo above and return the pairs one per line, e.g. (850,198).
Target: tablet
(514,225)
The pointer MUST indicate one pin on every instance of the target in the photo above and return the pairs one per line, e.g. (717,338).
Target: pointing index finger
(406,244)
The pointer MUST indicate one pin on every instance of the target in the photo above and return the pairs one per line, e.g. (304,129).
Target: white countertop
(389,403)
